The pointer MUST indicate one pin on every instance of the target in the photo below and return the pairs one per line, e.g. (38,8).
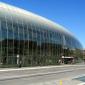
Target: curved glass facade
(34,42)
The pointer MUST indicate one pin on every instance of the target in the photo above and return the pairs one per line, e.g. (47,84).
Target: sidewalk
(40,67)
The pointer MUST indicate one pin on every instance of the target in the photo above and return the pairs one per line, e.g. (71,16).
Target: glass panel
(4,40)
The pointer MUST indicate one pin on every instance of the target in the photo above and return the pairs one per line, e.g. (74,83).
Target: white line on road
(81,84)
(30,68)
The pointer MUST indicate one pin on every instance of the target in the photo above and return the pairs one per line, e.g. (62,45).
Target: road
(48,75)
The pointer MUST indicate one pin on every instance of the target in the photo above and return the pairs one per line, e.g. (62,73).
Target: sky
(68,13)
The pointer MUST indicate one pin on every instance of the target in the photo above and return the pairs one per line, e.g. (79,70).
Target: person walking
(20,64)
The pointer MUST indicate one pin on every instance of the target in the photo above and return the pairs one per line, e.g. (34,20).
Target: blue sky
(69,13)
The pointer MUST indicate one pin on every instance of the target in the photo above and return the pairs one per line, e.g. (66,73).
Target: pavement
(46,75)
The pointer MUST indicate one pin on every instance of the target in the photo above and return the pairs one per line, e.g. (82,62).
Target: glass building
(32,39)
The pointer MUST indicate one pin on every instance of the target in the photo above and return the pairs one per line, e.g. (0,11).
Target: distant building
(33,40)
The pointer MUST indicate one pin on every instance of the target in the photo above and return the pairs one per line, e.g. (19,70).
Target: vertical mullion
(1,42)
(13,34)
(12,41)
(32,43)
(13,37)
(7,39)
(27,43)
(40,43)
(39,46)
(36,44)
(18,37)
(23,37)
(17,31)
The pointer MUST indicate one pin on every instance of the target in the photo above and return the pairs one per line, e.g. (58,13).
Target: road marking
(61,83)
(82,75)
(81,84)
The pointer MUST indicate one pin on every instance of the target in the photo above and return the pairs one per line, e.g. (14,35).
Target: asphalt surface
(49,75)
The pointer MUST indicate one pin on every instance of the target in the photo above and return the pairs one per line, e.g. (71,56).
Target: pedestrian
(20,64)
